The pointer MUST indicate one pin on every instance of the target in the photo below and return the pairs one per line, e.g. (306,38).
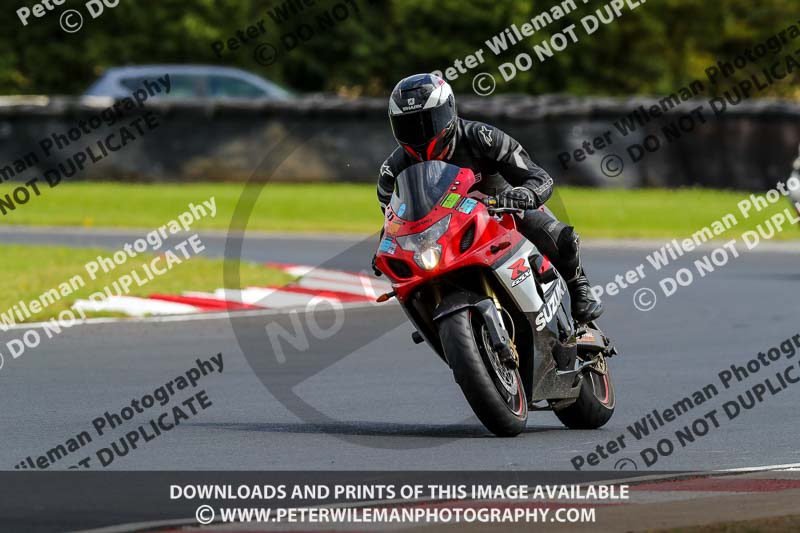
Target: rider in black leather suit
(426,126)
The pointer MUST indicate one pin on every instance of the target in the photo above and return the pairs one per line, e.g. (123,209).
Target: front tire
(596,401)
(494,392)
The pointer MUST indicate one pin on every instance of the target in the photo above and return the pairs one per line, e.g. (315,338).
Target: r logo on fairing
(520,271)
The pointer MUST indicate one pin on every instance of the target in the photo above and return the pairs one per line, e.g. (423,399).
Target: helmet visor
(420,128)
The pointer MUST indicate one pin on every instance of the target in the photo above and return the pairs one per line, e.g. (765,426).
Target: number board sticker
(388,246)
(394,226)
(467,205)
(451,200)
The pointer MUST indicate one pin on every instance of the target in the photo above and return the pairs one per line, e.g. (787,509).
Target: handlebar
(491,205)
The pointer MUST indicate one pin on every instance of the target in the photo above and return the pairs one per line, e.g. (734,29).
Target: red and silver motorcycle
(490,304)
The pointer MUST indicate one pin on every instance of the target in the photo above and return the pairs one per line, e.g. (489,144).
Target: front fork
(501,341)
(508,354)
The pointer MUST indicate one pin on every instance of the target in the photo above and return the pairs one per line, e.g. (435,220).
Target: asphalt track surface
(391,405)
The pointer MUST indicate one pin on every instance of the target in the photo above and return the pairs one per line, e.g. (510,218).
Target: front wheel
(493,391)
(596,401)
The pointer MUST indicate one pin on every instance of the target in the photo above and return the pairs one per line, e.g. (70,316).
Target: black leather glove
(375,267)
(375,256)
(517,198)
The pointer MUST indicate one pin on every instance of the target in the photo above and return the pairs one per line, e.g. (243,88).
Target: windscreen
(419,188)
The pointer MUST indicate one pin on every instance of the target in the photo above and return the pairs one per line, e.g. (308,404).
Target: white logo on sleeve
(518,158)
(486,133)
(386,170)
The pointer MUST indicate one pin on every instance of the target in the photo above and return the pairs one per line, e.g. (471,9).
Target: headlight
(427,251)
(429,258)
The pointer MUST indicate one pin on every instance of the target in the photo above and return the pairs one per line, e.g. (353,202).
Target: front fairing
(465,216)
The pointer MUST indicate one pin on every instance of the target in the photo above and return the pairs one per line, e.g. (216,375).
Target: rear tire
(595,404)
(488,391)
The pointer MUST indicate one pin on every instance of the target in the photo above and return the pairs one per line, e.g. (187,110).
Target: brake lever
(493,210)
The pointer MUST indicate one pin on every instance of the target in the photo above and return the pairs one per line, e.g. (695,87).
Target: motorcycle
(490,304)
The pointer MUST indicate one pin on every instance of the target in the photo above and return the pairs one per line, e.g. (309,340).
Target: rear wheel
(596,401)
(493,391)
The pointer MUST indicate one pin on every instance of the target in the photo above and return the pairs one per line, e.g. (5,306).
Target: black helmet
(422,110)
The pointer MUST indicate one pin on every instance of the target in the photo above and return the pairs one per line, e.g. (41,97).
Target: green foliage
(654,49)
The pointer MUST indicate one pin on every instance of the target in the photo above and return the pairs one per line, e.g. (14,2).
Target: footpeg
(417,338)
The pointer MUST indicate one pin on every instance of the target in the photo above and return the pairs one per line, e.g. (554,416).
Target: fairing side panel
(517,275)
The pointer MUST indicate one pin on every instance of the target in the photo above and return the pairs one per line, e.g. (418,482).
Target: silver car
(189,81)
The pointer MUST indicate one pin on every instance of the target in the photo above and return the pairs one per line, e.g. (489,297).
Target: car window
(182,85)
(230,87)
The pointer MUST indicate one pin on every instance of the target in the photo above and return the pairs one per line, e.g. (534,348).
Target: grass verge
(353,208)
(37,269)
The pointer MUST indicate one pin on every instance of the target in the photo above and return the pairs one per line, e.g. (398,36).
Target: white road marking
(135,306)
(192,318)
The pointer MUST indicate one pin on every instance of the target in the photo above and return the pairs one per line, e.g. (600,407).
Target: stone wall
(323,138)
